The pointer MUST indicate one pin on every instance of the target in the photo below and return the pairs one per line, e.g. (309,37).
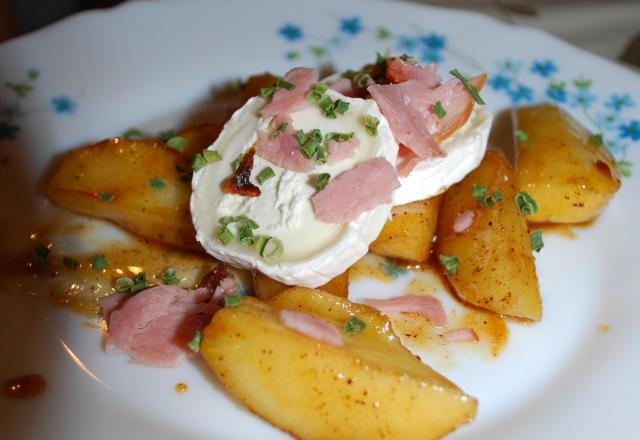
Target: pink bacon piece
(284,149)
(355,191)
(460,335)
(311,327)
(399,71)
(284,101)
(427,306)
(463,221)
(339,151)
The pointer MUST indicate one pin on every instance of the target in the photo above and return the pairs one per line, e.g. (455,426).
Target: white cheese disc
(314,251)
(465,149)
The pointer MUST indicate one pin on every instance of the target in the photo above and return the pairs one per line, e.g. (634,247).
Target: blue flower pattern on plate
(619,102)
(291,32)
(544,68)
(351,25)
(63,104)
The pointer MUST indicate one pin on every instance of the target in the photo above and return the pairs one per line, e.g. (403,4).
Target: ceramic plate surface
(153,66)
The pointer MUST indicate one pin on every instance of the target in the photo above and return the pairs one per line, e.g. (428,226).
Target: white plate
(152,65)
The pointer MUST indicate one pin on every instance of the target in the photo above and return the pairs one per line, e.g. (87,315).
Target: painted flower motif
(292,55)
(521,93)
(544,68)
(630,130)
(63,104)
(509,66)
(291,32)
(500,82)
(618,102)
(351,25)
(434,41)
(582,98)
(607,121)
(431,56)
(556,92)
(407,44)
(33,74)
(8,130)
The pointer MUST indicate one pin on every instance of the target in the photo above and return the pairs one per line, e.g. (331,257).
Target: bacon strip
(284,150)
(399,71)
(463,221)
(460,335)
(310,326)
(339,151)
(284,101)
(427,306)
(239,182)
(355,191)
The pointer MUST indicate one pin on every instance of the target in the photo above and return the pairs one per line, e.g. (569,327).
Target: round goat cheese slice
(314,252)
(465,149)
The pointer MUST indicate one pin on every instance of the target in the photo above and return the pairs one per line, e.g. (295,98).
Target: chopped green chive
(470,88)
(338,137)
(371,125)
(267,92)
(360,78)
(282,84)
(99,262)
(107,197)
(194,343)
(521,136)
(314,96)
(341,106)
(167,134)
(478,190)
(449,264)
(322,180)
(139,283)
(123,284)
(245,233)
(536,240)
(320,88)
(439,110)
(321,154)
(497,196)
(224,235)
(408,58)
(211,156)
(325,103)
(265,175)
(597,139)
(526,203)
(270,248)
(232,300)
(198,162)
(354,325)
(157,183)
(301,137)
(40,255)
(177,143)
(169,276)
(70,262)
(310,147)
(133,133)
(278,131)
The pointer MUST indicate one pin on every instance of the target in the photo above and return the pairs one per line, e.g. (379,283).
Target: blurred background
(608,28)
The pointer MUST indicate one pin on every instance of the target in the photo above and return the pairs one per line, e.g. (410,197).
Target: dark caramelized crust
(239,183)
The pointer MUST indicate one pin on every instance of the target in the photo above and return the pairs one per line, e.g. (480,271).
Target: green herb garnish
(70,262)
(265,175)
(167,134)
(526,203)
(211,156)
(99,262)
(439,110)
(470,88)
(169,276)
(133,133)
(123,284)
(521,136)
(597,139)
(354,325)
(282,84)
(301,137)
(536,240)
(267,92)
(338,137)
(224,235)
(322,180)
(157,183)
(177,143)
(321,154)
(497,196)
(107,197)
(232,300)
(479,192)
(449,264)
(194,343)
(198,162)
(245,233)
(139,283)
(371,125)
(40,254)
(278,131)
(270,248)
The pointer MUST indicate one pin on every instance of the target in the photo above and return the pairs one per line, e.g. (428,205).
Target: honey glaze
(77,280)
(24,387)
